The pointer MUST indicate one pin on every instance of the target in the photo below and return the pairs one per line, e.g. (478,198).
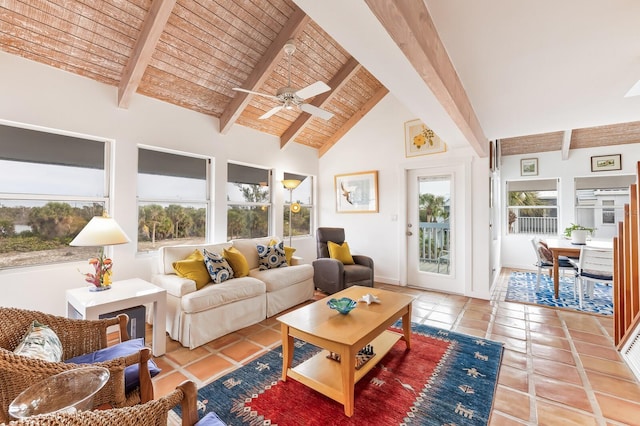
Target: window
(532,206)
(302,197)
(249,201)
(173,199)
(51,185)
(609,213)
(600,202)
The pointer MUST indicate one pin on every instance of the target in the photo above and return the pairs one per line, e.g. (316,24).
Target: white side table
(123,295)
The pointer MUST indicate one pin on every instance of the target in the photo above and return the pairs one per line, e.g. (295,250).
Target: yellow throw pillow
(193,267)
(237,261)
(341,253)
(288,251)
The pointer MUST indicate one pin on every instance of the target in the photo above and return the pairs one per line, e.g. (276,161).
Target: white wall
(38,95)
(377,143)
(516,249)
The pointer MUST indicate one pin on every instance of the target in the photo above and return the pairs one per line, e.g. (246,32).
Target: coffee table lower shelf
(325,375)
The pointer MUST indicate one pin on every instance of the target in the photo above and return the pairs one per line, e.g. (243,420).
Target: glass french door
(431,233)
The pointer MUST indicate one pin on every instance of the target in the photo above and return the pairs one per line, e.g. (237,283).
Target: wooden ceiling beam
(411,27)
(152,28)
(353,120)
(263,68)
(348,70)
(566,144)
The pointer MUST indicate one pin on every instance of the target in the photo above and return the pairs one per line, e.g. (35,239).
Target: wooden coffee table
(344,335)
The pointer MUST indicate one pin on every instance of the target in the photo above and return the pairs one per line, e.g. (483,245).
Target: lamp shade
(100,231)
(291,183)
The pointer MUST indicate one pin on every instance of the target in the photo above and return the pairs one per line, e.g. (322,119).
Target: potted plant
(578,233)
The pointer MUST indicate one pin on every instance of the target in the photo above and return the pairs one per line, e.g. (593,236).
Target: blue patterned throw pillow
(218,267)
(272,256)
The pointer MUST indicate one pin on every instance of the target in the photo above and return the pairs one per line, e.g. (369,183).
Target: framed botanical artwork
(529,167)
(421,140)
(357,192)
(603,163)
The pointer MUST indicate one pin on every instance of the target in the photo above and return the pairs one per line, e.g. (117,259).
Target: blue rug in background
(522,288)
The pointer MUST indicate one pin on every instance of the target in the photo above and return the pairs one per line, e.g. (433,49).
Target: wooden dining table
(564,247)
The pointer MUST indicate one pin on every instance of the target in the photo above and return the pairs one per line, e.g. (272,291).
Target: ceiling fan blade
(270,112)
(313,90)
(255,93)
(314,110)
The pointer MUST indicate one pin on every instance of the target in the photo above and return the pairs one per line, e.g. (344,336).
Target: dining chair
(545,260)
(443,259)
(595,265)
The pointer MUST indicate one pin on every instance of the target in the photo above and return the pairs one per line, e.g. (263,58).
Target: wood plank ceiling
(590,137)
(192,53)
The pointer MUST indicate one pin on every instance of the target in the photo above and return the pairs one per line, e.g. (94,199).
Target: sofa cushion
(218,267)
(175,285)
(193,267)
(288,251)
(237,261)
(353,273)
(210,419)
(278,278)
(122,349)
(247,246)
(170,254)
(271,256)
(229,291)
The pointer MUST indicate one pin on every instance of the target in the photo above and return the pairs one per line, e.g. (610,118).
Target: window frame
(245,205)
(531,186)
(168,201)
(104,200)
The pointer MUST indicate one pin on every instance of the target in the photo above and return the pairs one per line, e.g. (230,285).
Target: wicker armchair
(78,337)
(151,413)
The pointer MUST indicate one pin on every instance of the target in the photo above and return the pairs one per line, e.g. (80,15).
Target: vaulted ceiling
(193,53)
(539,76)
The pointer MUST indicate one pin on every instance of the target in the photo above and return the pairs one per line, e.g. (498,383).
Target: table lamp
(291,184)
(99,232)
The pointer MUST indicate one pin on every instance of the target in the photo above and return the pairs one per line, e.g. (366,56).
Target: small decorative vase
(100,288)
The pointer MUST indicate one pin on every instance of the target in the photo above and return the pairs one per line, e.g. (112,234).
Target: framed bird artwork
(357,192)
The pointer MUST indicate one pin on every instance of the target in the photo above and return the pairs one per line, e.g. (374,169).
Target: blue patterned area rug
(522,288)
(445,378)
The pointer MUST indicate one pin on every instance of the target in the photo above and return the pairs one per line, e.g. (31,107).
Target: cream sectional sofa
(195,317)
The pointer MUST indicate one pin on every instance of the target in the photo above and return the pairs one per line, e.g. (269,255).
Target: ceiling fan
(291,98)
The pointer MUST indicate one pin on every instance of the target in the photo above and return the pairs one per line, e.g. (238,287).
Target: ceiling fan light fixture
(291,99)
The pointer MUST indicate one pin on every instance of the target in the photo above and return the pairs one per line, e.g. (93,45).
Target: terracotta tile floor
(559,367)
